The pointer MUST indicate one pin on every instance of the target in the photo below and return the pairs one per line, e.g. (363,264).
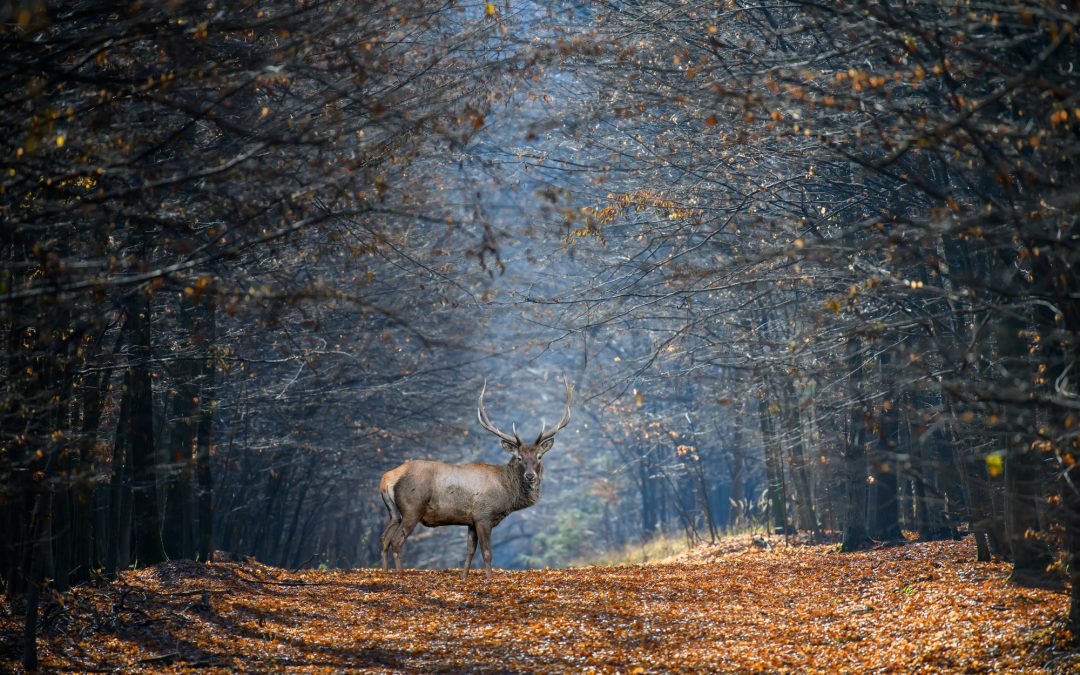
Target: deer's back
(448,494)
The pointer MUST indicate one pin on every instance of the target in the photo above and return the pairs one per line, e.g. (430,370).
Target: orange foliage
(920,607)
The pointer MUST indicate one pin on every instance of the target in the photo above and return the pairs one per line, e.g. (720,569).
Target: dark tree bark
(886,521)
(140,433)
(36,579)
(774,469)
(1023,463)
(1030,555)
(179,516)
(808,519)
(1072,543)
(118,533)
(856,533)
(203,459)
(93,388)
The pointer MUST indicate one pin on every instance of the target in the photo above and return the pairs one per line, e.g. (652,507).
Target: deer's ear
(546,445)
(510,446)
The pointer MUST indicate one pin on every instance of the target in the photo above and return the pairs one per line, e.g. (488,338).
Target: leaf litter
(919,607)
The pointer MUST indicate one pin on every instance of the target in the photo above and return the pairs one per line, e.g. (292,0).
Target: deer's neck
(523,494)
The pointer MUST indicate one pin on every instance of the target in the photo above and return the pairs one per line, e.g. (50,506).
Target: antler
(486,423)
(545,434)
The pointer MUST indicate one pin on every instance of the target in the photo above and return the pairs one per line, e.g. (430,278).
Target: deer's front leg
(472,551)
(483,534)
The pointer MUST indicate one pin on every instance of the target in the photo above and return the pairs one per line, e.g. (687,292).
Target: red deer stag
(476,495)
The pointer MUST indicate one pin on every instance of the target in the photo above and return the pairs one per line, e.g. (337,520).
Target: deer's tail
(391,504)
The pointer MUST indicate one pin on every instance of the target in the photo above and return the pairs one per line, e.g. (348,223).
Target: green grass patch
(658,548)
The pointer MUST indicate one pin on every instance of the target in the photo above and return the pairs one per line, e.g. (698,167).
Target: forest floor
(918,607)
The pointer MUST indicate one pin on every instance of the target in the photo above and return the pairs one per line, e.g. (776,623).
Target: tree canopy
(811,267)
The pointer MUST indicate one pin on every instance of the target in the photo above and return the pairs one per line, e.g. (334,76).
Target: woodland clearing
(918,607)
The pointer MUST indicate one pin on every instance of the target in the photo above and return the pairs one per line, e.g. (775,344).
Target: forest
(790,291)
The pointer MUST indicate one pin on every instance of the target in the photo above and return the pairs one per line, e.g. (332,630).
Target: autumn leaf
(745,604)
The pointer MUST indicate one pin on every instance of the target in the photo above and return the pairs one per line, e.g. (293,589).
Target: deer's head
(527,456)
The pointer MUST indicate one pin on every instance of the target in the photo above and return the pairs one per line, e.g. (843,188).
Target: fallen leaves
(921,607)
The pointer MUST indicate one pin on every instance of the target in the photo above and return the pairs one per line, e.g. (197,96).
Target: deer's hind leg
(392,527)
(397,539)
(387,537)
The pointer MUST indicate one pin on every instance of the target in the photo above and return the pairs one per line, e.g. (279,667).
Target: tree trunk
(140,399)
(33,592)
(1022,490)
(855,531)
(799,466)
(203,451)
(736,463)
(855,464)
(91,405)
(179,521)
(116,550)
(773,465)
(886,523)
(286,547)
(648,497)
(1072,543)
(703,487)
(1023,485)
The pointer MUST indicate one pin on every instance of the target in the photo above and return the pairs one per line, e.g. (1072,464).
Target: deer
(476,495)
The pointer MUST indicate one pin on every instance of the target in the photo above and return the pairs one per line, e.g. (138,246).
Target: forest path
(918,607)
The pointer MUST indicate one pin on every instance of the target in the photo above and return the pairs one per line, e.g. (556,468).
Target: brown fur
(478,496)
